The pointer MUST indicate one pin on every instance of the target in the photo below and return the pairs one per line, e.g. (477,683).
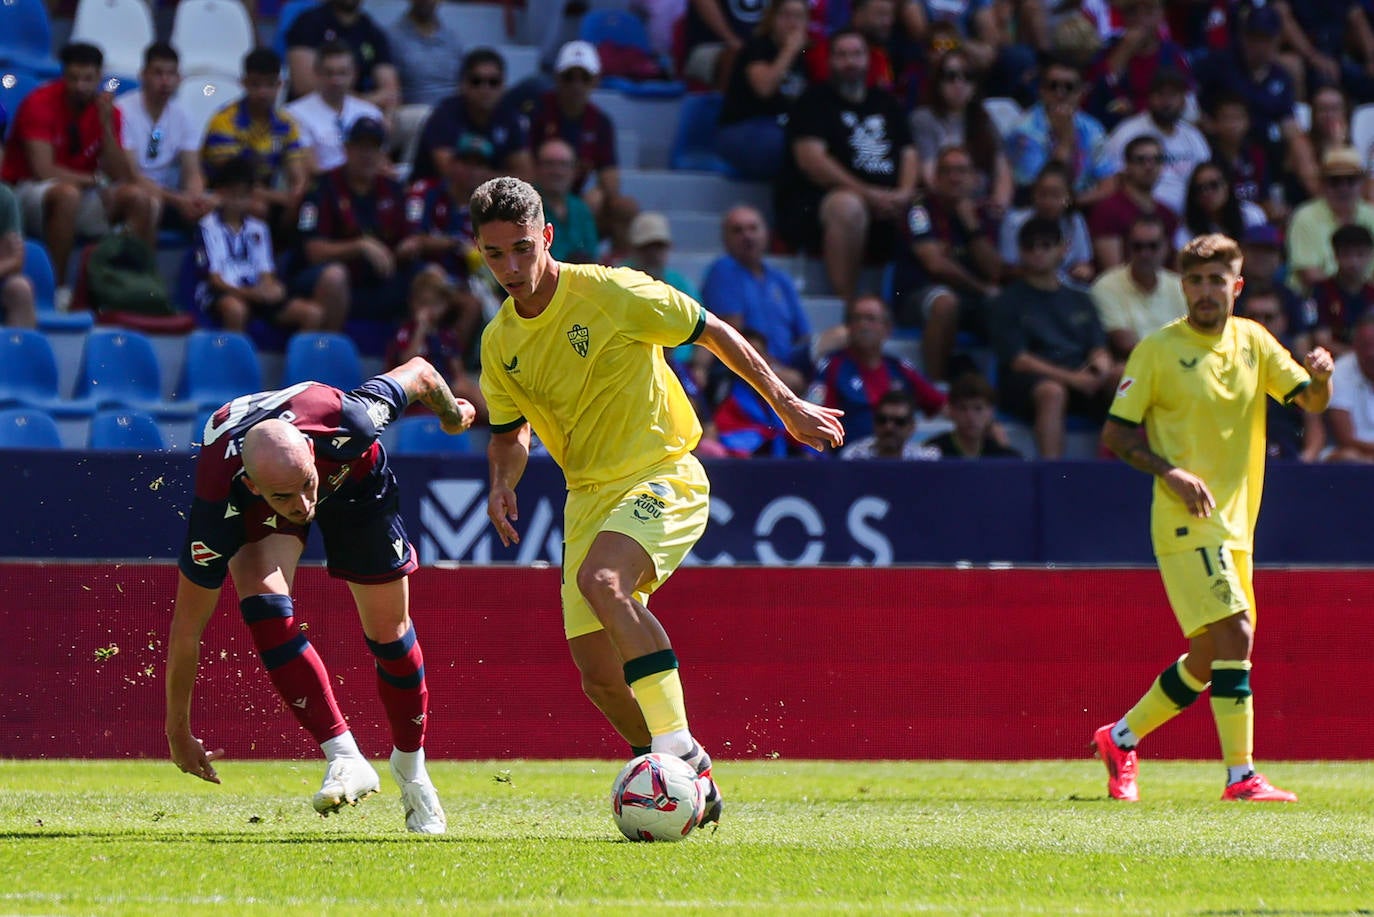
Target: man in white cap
(567,112)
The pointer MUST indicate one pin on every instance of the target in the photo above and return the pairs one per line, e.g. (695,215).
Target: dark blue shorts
(364,537)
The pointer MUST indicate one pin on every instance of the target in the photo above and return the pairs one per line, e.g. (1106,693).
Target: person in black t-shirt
(342,20)
(768,76)
(1051,349)
(973,409)
(852,169)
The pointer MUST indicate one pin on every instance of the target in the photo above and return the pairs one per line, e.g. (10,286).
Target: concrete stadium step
(823,311)
(671,192)
(696,231)
(654,119)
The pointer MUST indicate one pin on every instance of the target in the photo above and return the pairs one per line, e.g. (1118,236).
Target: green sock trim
(1172,684)
(652,664)
(1231,682)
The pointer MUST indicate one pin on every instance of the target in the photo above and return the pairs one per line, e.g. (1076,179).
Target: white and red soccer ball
(657,798)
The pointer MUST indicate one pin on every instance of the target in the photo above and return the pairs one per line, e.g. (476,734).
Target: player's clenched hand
(501,510)
(813,424)
(1192,490)
(189,754)
(466,415)
(1319,364)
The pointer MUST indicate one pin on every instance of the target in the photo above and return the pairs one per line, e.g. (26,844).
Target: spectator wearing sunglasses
(162,142)
(66,159)
(1311,258)
(567,112)
(475,109)
(1055,130)
(894,422)
(1185,148)
(953,115)
(1134,198)
(1141,295)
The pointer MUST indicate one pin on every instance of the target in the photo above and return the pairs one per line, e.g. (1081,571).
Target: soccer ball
(656,798)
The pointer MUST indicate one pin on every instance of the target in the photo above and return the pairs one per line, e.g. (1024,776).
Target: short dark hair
(1137,142)
(1351,236)
(898,397)
(972,386)
(1038,228)
(235,173)
(81,54)
(1208,249)
(1149,219)
(262,62)
(508,200)
(479,56)
(1218,100)
(335,48)
(1055,168)
(160,50)
(866,297)
(846,31)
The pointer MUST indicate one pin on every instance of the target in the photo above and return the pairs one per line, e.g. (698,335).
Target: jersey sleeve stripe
(701,326)
(1297,390)
(507,427)
(1123,421)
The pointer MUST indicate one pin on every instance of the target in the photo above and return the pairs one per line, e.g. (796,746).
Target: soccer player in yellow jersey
(1197,385)
(576,353)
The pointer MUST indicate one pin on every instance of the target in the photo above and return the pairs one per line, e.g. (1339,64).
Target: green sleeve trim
(701,326)
(507,427)
(1298,390)
(1123,421)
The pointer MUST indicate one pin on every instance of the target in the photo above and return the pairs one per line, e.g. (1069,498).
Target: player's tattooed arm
(425,384)
(1130,445)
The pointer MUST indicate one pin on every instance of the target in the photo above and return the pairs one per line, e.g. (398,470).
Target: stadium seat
(119,367)
(119,28)
(321,356)
(15,85)
(125,428)
(477,24)
(28,428)
(212,36)
(620,27)
(38,268)
(28,368)
(203,95)
(26,40)
(220,366)
(290,11)
(424,436)
(694,144)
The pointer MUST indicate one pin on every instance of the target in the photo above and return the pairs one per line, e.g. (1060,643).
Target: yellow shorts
(664,509)
(1206,585)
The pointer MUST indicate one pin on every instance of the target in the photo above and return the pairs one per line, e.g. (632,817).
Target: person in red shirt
(69,168)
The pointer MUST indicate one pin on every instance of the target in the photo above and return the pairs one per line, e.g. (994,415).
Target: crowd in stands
(1006,181)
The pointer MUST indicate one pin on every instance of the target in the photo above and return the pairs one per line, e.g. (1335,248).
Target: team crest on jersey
(579,337)
(1124,385)
(415,208)
(202,554)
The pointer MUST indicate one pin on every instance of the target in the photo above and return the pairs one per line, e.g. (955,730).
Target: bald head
(280,462)
(745,235)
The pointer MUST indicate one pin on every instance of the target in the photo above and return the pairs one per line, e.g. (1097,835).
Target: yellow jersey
(589,375)
(1201,399)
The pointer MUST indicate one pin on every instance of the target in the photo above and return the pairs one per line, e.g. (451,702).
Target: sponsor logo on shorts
(202,553)
(1222,590)
(647,506)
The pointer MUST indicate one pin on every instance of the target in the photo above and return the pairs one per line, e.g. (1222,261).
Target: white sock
(1235,773)
(674,743)
(408,765)
(341,746)
(1123,737)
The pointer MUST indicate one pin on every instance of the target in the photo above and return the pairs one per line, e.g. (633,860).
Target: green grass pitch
(138,837)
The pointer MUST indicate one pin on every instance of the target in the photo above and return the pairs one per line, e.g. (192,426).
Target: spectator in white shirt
(326,114)
(1185,148)
(1351,412)
(162,142)
(237,279)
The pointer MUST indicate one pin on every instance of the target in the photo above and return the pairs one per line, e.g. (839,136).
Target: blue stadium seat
(322,356)
(28,428)
(26,40)
(38,268)
(621,27)
(119,367)
(28,368)
(219,367)
(125,428)
(694,144)
(424,436)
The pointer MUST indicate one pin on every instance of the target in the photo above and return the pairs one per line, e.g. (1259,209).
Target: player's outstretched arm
(423,383)
(194,606)
(1130,444)
(812,424)
(507,453)
(1317,396)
